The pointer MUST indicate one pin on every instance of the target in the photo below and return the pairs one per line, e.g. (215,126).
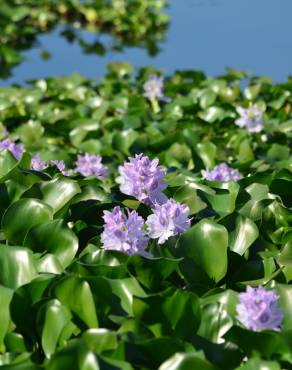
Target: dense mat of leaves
(67,303)
(131,23)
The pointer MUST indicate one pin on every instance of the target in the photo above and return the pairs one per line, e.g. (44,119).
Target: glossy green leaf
(188,194)
(183,313)
(56,317)
(58,192)
(125,289)
(258,364)
(151,272)
(5,296)
(18,266)
(7,162)
(207,152)
(75,294)
(186,361)
(53,237)
(100,340)
(206,243)
(285,302)
(28,212)
(245,233)
(74,356)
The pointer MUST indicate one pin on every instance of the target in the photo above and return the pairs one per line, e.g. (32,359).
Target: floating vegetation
(146,233)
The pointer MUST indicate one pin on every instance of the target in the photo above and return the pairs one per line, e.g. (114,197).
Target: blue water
(209,35)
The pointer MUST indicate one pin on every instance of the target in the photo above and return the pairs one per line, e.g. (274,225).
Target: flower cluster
(15,149)
(153,88)
(37,164)
(143,179)
(168,220)
(86,165)
(251,118)
(90,165)
(129,235)
(222,173)
(124,233)
(258,309)
(61,166)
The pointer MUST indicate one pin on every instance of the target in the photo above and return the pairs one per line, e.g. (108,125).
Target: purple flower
(124,233)
(251,118)
(61,166)
(15,149)
(37,164)
(90,165)
(222,173)
(143,179)
(168,220)
(153,88)
(258,309)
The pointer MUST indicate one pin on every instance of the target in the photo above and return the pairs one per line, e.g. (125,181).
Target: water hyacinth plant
(37,164)
(222,172)
(168,219)
(15,149)
(143,179)
(125,233)
(90,165)
(258,309)
(61,166)
(101,273)
(250,118)
(153,88)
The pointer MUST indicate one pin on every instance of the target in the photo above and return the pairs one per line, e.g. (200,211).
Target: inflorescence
(258,309)
(251,118)
(222,172)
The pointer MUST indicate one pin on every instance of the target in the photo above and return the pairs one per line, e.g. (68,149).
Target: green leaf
(207,98)
(7,162)
(28,213)
(206,243)
(186,361)
(74,356)
(5,297)
(207,152)
(188,194)
(269,344)
(100,340)
(183,313)
(151,272)
(58,192)
(215,322)
(53,237)
(285,302)
(224,201)
(76,294)
(56,317)
(17,266)
(252,91)
(245,233)
(285,260)
(122,141)
(49,263)
(212,114)
(14,342)
(125,289)
(258,364)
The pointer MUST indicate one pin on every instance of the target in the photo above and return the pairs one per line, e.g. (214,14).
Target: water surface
(252,35)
